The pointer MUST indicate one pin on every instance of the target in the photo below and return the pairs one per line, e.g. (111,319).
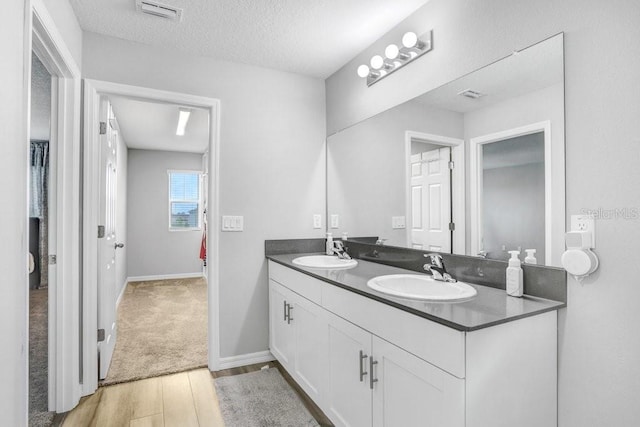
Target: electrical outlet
(584,223)
(317,221)
(335,221)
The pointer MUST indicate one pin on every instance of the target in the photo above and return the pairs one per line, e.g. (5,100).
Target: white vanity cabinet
(297,338)
(373,382)
(366,363)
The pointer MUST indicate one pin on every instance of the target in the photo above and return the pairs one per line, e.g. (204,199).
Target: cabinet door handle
(362,371)
(285,309)
(371,379)
(289,318)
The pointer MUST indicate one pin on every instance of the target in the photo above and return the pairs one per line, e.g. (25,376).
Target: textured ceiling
(310,37)
(149,125)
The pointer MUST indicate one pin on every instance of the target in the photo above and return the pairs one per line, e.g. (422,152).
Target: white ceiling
(314,38)
(534,68)
(149,125)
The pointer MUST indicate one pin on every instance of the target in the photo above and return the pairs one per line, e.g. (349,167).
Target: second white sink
(421,287)
(324,262)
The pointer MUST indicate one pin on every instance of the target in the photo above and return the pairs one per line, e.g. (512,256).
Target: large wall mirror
(474,167)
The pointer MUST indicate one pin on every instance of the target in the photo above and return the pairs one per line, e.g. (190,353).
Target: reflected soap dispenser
(530,258)
(329,245)
(514,276)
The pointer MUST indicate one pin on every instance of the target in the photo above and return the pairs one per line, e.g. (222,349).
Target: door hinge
(452,226)
(53,259)
(100,231)
(103,128)
(100,335)
(451,165)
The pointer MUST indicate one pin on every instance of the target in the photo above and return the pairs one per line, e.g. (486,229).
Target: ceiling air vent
(159,10)
(471,94)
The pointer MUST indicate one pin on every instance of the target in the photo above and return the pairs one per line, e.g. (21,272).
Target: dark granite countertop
(488,308)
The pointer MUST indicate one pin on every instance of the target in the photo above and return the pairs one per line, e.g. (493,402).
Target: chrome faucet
(339,250)
(435,266)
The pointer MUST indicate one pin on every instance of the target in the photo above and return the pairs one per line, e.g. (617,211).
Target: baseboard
(246,359)
(124,288)
(164,277)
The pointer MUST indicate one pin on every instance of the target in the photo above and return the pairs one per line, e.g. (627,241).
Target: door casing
(93,89)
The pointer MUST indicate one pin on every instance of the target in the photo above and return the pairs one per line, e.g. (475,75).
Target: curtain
(38,201)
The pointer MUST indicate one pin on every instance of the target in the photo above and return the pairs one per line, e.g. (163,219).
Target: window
(185,201)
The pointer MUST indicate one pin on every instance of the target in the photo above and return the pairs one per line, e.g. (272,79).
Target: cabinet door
(348,401)
(281,335)
(411,392)
(310,328)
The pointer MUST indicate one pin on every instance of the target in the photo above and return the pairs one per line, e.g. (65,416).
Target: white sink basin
(421,287)
(325,262)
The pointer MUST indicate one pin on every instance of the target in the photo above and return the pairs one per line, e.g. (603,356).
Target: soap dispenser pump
(514,275)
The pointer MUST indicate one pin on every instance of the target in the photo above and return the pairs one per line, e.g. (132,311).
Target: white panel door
(107,243)
(431,200)
(281,337)
(413,393)
(310,359)
(348,401)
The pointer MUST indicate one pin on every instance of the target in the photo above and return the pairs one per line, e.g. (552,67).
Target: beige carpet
(162,329)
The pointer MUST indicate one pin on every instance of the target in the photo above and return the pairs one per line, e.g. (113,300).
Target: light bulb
(391,51)
(409,39)
(377,62)
(363,71)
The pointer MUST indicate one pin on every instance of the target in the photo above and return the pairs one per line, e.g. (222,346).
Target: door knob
(119,245)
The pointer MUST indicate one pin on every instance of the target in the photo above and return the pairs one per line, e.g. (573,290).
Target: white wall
(271,162)
(598,341)
(13,215)
(153,249)
(366,168)
(67,25)
(121,214)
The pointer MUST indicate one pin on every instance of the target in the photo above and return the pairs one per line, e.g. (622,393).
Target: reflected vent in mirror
(473,94)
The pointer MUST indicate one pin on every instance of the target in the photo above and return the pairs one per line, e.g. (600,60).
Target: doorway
(40,135)
(435,192)
(59,223)
(121,96)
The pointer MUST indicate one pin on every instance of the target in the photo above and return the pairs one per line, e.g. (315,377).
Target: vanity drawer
(299,283)
(437,344)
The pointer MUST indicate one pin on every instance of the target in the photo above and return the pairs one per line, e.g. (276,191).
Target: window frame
(171,201)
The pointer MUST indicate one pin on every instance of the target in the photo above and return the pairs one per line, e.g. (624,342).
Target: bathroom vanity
(369,359)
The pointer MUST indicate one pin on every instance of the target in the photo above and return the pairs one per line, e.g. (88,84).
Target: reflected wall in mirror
(473,167)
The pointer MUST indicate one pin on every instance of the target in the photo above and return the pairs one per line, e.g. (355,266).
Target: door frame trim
(92,91)
(475,192)
(64,311)
(458,243)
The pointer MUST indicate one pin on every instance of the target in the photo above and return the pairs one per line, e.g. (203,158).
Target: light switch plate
(398,222)
(232,223)
(335,221)
(317,221)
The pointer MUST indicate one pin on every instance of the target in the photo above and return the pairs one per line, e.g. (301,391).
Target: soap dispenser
(514,275)
(530,258)
(329,246)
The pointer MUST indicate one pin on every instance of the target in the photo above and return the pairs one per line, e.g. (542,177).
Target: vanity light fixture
(396,57)
(183,119)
